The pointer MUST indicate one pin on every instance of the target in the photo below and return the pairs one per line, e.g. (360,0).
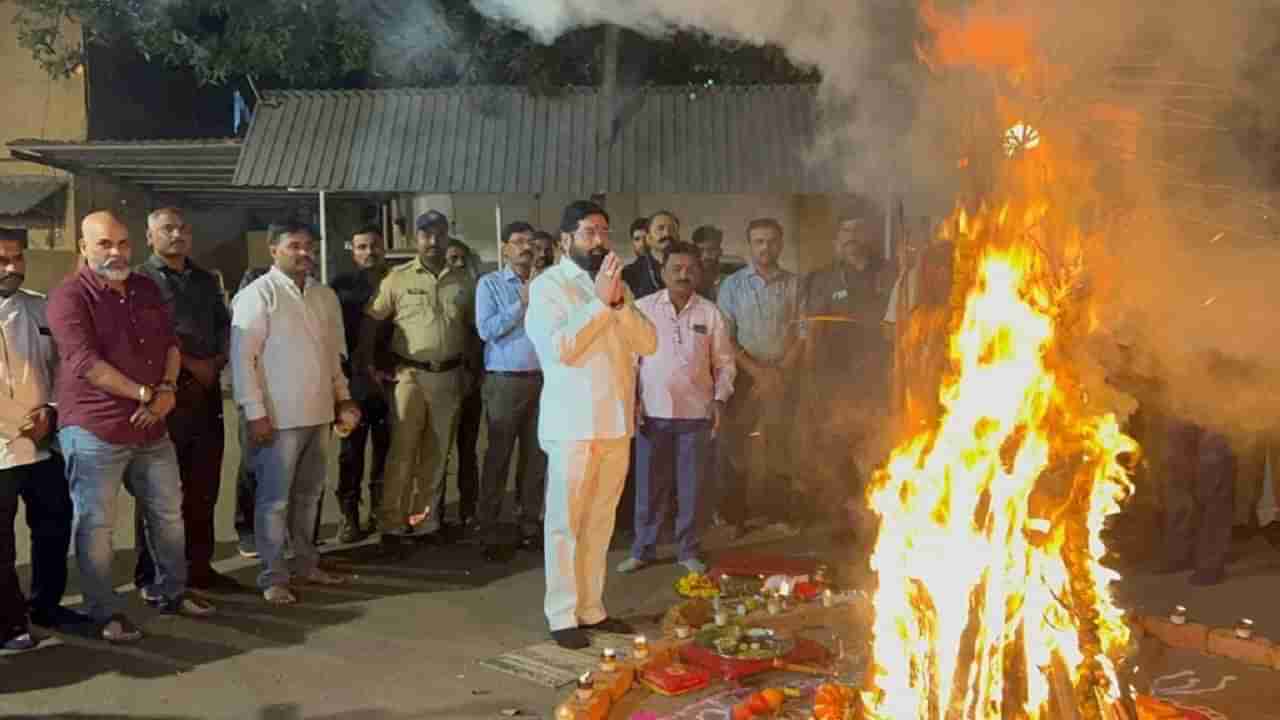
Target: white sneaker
(631,565)
(279,595)
(694,565)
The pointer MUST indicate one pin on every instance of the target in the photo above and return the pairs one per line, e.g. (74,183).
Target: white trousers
(584,482)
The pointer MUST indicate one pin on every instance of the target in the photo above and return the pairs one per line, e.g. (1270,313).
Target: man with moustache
(512,386)
(545,251)
(286,357)
(460,258)
(29,468)
(847,362)
(684,387)
(430,308)
(117,384)
(355,289)
(761,302)
(640,237)
(203,327)
(587,332)
(644,276)
(709,239)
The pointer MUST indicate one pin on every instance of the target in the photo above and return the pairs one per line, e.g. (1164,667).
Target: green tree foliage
(372,43)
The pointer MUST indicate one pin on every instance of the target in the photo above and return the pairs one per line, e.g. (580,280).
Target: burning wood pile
(993,601)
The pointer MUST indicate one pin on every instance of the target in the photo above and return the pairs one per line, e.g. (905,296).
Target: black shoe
(17,640)
(58,616)
(610,625)
(394,546)
(431,539)
(571,638)
(187,605)
(1205,578)
(349,529)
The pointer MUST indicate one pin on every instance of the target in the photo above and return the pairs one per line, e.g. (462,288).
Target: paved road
(403,641)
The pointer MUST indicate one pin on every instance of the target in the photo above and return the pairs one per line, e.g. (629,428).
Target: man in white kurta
(588,335)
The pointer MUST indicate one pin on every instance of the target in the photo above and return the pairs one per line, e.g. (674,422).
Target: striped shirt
(761,314)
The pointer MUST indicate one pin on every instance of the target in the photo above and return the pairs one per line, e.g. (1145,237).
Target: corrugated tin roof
(197,171)
(20,194)
(495,139)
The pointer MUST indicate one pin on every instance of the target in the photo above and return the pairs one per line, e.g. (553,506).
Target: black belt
(439,367)
(516,373)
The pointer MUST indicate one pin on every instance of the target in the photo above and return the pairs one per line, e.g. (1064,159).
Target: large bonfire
(992,599)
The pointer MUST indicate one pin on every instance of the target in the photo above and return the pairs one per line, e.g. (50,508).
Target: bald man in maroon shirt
(116,383)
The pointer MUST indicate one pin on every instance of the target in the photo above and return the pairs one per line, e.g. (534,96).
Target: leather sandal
(119,629)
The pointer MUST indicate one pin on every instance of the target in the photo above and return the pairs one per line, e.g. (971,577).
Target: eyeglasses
(599,234)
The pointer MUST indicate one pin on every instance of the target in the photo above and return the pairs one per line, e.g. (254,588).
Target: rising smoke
(1188,284)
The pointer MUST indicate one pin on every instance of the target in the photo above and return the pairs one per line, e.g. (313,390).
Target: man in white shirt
(28,470)
(287,344)
(683,390)
(587,334)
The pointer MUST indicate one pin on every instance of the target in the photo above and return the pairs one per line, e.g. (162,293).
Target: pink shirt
(694,363)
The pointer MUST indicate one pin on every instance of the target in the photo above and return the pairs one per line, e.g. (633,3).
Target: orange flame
(977,571)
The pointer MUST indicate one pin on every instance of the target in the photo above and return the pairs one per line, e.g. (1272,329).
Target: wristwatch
(166,387)
(145,394)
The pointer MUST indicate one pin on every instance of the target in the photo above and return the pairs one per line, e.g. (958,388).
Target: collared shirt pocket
(418,303)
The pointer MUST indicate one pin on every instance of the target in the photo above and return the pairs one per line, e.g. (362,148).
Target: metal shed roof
(498,139)
(20,194)
(198,171)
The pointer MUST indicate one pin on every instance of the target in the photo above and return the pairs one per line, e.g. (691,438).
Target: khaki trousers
(584,482)
(424,420)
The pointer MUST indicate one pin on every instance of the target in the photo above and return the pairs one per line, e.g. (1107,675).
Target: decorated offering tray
(736,642)
(802,652)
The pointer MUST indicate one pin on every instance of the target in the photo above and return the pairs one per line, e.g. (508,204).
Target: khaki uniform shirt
(432,317)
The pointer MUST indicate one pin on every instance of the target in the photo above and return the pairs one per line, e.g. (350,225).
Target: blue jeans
(95,471)
(670,455)
(290,473)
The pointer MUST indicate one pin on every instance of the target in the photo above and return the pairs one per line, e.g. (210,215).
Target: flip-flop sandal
(118,629)
(279,595)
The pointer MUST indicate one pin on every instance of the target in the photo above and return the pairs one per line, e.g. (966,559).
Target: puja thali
(735,642)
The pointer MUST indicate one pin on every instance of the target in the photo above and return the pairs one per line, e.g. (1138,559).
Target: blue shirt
(761,314)
(500,322)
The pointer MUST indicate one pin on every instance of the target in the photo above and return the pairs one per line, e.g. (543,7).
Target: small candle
(1179,616)
(608,660)
(564,712)
(640,647)
(828,598)
(683,632)
(586,686)
(784,589)
(820,575)
(1244,629)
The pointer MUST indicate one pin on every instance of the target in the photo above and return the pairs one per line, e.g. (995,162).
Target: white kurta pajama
(588,352)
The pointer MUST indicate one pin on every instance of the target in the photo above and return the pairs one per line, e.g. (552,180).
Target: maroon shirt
(132,333)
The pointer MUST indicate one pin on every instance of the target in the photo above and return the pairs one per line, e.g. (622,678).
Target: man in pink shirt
(683,390)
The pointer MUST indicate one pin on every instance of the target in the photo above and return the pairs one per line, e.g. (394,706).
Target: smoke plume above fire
(1175,95)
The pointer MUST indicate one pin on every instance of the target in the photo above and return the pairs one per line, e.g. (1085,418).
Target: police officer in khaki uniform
(431,308)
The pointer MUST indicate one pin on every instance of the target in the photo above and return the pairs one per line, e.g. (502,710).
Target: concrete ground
(403,641)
